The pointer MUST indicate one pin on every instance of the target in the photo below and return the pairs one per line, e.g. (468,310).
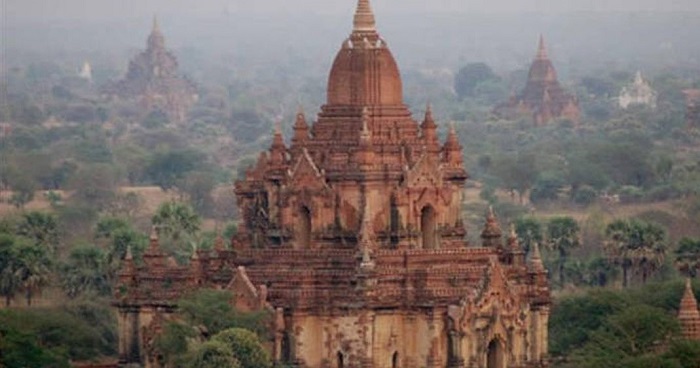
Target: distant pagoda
(543,97)
(637,93)
(688,314)
(153,81)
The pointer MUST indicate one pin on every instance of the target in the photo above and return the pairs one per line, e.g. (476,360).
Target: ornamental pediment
(306,174)
(427,172)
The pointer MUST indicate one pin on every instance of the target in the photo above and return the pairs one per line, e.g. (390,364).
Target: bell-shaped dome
(364,71)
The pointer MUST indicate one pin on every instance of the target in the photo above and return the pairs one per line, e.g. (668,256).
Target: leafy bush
(585,195)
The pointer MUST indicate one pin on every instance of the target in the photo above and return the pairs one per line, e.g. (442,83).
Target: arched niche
(427,227)
(305,227)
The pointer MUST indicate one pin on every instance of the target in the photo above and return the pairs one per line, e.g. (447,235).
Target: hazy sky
(100,9)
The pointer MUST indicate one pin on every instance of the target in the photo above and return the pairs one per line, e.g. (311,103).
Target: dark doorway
(341,360)
(304,227)
(495,357)
(427,227)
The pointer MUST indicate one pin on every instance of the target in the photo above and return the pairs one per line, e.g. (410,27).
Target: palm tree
(9,281)
(87,270)
(176,219)
(635,245)
(688,257)
(34,268)
(563,235)
(529,231)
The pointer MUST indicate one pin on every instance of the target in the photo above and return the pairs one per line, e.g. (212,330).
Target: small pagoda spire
(277,149)
(688,314)
(452,150)
(513,243)
(153,244)
(491,235)
(156,40)
(536,264)
(428,126)
(364,18)
(219,245)
(301,128)
(541,49)
(129,256)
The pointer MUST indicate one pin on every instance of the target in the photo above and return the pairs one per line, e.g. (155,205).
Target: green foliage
(95,185)
(629,328)
(688,256)
(685,352)
(627,337)
(529,231)
(574,318)
(213,309)
(118,235)
(198,185)
(174,342)
(471,76)
(546,188)
(41,228)
(86,271)
(212,354)
(50,337)
(585,195)
(177,224)
(155,119)
(23,188)
(246,346)
(563,234)
(636,246)
(169,166)
(516,172)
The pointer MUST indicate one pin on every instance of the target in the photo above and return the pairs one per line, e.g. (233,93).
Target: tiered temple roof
(543,98)
(153,81)
(361,215)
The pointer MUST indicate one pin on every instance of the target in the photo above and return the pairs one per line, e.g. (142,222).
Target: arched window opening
(495,357)
(395,360)
(427,226)
(341,360)
(305,227)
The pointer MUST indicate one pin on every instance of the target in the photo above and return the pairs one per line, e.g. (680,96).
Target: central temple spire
(364,18)
(541,50)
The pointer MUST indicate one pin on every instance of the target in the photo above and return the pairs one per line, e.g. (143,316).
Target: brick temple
(352,238)
(153,82)
(543,98)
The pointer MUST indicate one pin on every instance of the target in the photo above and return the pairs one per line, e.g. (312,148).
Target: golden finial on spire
(364,18)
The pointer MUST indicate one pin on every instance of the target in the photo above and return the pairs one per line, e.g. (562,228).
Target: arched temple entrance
(495,357)
(395,360)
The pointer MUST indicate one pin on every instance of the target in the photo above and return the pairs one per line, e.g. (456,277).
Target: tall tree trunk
(562,262)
